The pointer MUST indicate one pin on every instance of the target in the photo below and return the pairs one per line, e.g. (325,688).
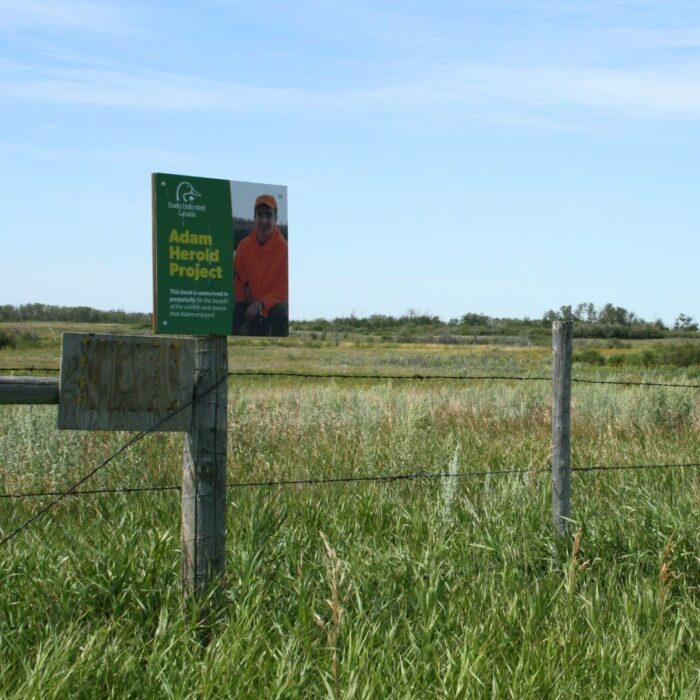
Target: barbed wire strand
(63,494)
(423,377)
(419,377)
(416,377)
(621,382)
(414,476)
(386,478)
(91,492)
(618,467)
(106,461)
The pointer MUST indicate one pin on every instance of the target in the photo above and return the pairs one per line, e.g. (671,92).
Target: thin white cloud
(83,15)
(565,94)
(134,88)
(446,93)
(645,93)
(632,92)
(610,66)
(124,154)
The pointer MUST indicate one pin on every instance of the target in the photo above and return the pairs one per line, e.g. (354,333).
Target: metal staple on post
(562,346)
(204,472)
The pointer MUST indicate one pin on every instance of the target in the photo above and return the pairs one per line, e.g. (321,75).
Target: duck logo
(186,193)
(186,197)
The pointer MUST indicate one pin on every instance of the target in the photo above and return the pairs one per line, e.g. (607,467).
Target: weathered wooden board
(28,390)
(125,382)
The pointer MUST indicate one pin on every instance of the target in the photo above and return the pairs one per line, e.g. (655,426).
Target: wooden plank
(203,532)
(125,382)
(28,390)
(562,345)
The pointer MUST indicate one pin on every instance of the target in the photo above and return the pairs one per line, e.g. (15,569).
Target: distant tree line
(608,321)
(79,314)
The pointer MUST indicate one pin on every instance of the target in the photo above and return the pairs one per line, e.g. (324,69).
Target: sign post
(203,534)
(193,294)
(206,233)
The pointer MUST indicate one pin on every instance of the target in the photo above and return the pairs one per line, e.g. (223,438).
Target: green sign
(192,255)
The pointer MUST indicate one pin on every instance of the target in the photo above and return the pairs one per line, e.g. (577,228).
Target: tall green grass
(437,589)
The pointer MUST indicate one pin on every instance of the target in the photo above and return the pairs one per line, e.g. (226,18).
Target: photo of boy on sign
(260,268)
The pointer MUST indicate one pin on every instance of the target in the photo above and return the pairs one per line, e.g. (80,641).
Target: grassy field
(418,589)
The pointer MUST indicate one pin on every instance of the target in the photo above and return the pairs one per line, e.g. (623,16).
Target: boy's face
(265,220)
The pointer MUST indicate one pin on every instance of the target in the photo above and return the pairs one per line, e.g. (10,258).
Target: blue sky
(494,157)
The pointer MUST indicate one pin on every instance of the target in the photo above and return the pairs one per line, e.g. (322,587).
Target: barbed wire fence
(320,481)
(386,478)
(413,377)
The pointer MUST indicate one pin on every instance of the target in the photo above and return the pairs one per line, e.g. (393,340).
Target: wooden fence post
(204,472)
(562,345)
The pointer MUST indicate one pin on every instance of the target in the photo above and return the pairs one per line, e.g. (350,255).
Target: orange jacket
(262,269)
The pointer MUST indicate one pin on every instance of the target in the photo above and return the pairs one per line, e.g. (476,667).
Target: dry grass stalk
(576,567)
(331,626)
(667,577)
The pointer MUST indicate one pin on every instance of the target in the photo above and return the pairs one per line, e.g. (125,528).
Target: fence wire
(60,495)
(320,481)
(104,463)
(453,377)
(414,377)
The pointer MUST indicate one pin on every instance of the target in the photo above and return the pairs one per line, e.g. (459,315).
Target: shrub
(684,354)
(679,354)
(29,339)
(7,340)
(590,356)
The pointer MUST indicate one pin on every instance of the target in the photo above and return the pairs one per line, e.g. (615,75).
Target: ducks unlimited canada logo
(186,197)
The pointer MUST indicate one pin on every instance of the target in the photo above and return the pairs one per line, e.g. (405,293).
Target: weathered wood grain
(203,532)
(562,345)
(120,382)
(28,390)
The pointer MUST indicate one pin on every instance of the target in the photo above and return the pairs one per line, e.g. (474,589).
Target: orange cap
(267,199)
